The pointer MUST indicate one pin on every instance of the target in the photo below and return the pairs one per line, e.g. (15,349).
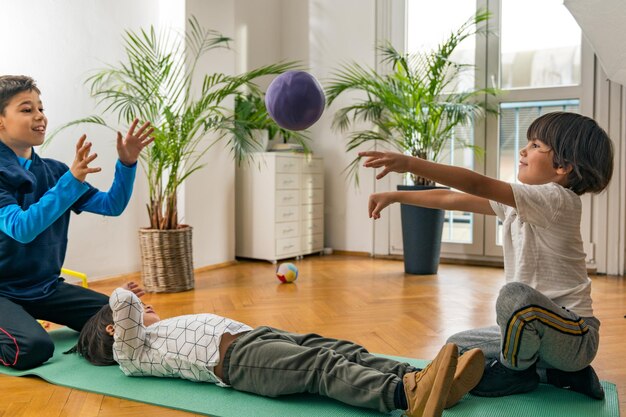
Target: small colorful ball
(287,272)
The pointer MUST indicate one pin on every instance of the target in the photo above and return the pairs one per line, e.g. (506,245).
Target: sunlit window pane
(432,22)
(514,121)
(540,44)
(457,226)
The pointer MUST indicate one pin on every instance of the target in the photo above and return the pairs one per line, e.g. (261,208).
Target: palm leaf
(410,108)
(155,83)
(97,120)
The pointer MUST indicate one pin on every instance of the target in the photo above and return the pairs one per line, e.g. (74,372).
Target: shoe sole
(597,392)
(530,386)
(469,370)
(443,381)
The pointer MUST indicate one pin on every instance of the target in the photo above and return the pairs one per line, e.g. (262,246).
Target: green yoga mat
(73,371)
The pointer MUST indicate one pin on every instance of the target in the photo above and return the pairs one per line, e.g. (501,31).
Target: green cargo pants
(274,362)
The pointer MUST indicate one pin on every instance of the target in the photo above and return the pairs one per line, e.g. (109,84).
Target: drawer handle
(287,215)
(287,230)
(287,198)
(288,247)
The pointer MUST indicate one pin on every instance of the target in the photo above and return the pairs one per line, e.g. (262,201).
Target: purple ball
(295,100)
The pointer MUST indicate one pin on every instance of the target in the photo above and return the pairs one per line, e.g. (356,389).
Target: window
(540,45)
(458,225)
(534,53)
(423,35)
(539,68)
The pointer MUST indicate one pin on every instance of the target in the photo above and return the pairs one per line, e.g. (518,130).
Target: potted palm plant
(156,84)
(413,109)
(250,121)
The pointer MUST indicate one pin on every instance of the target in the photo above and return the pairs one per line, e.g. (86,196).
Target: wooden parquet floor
(369,301)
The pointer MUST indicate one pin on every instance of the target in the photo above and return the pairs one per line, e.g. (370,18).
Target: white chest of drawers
(280,206)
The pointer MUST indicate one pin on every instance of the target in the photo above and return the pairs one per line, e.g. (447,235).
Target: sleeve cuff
(120,164)
(68,182)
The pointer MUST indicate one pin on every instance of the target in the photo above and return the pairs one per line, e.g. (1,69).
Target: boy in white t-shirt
(546,329)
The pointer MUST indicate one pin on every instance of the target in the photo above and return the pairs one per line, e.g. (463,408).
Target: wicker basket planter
(167,259)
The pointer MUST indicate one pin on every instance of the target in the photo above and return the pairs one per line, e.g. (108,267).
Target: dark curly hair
(94,343)
(577,141)
(12,85)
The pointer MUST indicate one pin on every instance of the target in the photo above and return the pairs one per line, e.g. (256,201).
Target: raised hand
(389,161)
(129,147)
(80,167)
(377,203)
(134,288)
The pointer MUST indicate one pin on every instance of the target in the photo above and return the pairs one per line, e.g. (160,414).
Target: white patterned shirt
(180,347)
(543,246)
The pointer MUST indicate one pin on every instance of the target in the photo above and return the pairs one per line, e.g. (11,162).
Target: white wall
(58,43)
(319,35)
(65,40)
(59,46)
(342,32)
(257,34)
(209,194)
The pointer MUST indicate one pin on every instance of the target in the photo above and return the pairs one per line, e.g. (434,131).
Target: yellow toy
(75,274)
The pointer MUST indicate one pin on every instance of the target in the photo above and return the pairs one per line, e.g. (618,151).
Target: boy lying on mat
(269,361)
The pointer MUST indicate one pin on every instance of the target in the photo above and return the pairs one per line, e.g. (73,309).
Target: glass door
(534,53)
(462,231)
(539,68)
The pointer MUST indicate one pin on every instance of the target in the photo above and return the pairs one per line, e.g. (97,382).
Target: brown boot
(469,370)
(427,390)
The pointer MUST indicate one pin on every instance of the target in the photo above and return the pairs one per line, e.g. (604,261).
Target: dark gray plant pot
(421,235)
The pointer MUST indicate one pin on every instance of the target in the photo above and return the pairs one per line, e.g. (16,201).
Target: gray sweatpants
(532,328)
(274,362)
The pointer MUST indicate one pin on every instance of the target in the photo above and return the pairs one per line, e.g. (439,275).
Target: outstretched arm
(441,199)
(25,225)
(113,202)
(462,179)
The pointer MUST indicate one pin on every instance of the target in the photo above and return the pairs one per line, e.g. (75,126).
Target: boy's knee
(33,352)
(460,341)
(456,339)
(513,296)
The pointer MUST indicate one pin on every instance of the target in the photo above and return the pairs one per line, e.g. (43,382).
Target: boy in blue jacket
(36,196)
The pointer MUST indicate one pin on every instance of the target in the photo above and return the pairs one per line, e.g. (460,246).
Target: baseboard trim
(451,261)
(136,276)
(351,253)
(215,266)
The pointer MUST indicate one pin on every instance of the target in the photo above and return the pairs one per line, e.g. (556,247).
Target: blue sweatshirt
(36,196)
